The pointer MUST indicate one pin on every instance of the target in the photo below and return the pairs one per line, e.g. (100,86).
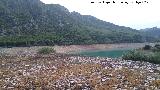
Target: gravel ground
(67,72)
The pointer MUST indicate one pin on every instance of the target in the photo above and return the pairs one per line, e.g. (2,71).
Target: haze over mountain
(31,22)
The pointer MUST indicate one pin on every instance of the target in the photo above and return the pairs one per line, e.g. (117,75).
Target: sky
(137,16)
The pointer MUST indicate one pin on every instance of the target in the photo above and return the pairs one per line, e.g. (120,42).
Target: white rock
(158,68)
(26,65)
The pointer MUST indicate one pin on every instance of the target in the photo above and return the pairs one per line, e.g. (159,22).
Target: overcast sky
(137,16)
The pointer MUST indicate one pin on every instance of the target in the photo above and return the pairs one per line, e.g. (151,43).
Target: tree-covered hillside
(31,22)
(152,32)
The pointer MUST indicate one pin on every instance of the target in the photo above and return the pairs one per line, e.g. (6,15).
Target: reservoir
(115,53)
(107,50)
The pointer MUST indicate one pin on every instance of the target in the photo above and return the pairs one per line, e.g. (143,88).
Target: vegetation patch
(46,50)
(147,47)
(147,53)
(23,26)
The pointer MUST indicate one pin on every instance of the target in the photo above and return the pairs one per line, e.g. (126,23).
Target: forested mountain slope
(31,22)
(152,32)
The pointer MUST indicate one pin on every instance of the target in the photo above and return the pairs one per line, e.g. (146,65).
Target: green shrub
(136,55)
(156,48)
(147,47)
(156,58)
(46,50)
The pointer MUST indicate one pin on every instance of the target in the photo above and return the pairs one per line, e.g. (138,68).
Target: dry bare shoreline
(81,48)
(73,48)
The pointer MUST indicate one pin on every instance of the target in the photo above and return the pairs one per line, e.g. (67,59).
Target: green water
(105,53)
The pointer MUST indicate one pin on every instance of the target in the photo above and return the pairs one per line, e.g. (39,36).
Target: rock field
(68,72)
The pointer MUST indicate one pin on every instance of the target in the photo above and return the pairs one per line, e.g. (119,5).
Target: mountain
(31,22)
(152,32)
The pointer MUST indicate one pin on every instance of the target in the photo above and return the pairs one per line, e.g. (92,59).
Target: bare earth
(79,48)
(72,48)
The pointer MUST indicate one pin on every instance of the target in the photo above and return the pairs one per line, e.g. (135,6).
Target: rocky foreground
(67,72)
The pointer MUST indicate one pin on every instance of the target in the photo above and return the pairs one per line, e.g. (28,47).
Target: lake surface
(105,53)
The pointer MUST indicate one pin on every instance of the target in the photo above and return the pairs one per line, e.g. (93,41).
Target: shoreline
(98,47)
(74,48)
